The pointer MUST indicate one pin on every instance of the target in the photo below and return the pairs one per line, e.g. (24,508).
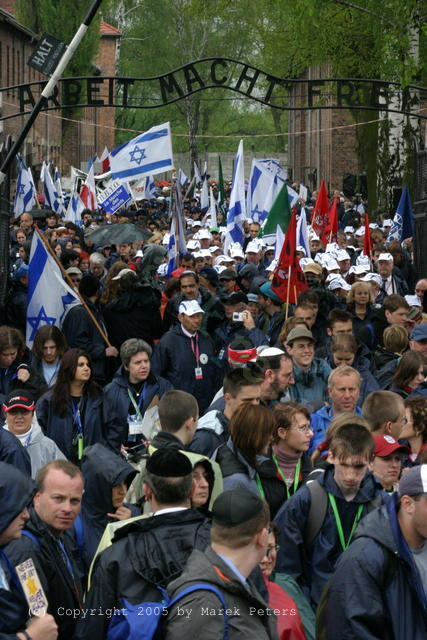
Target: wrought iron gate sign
(224,73)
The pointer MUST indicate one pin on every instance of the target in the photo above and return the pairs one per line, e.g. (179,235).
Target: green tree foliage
(159,36)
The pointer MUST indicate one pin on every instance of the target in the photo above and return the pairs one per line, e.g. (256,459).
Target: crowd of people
(254,468)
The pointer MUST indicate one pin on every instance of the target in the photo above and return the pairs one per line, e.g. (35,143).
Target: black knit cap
(235,507)
(169,462)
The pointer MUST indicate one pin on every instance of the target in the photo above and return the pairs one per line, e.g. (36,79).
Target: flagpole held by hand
(71,284)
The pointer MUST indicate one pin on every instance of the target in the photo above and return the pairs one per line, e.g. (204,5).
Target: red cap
(386,445)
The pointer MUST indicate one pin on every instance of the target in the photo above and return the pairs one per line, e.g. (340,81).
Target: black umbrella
(118,234)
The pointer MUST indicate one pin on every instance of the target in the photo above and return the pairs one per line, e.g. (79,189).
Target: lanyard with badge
(344,544)
(135,421)
(198,373)
(282,475)
(78,423)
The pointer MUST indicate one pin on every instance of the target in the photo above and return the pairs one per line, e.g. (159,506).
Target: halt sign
(47,54)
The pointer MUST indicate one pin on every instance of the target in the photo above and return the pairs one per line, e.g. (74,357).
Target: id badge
(135,427)
(198,373)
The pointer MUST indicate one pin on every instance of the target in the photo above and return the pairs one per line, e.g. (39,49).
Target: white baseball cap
(386,257)
(253,247)
(338,283)
(190,307)
(342,255)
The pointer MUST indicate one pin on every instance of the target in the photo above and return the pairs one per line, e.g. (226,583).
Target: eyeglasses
(268,551)
(306,428)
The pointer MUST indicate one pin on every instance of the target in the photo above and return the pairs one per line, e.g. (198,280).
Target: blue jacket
(174,359)
(62,429)
(311,387)
(16,490)
(116,401)
(376,592)
(313,566)
(320,421)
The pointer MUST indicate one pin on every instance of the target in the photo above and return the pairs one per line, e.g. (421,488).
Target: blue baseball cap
(266,290)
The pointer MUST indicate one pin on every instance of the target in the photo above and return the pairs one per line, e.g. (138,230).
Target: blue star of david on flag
(137,151)
(49,296)
(147,154)
(39,320)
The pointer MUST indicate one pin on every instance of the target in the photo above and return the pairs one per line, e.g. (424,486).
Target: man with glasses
(75,276)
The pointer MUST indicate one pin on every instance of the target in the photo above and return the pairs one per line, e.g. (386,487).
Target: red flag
(105,160)
(367,240)
(319,217)
(288,280)
(330,230)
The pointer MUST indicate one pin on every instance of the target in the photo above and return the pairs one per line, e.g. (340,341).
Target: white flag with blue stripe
(147,154)
(58,189)
(75,209)
(25,196)
(177,246)
(49,296)
(237,209)
(51,196)
(265,174)
(302,232)
(150,190)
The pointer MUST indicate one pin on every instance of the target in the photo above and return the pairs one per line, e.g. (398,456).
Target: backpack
(319,508)
(142,621)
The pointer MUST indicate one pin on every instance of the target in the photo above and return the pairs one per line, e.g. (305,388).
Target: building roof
(106,29)
(7,17)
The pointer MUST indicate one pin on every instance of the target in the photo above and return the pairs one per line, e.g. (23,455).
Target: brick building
(48,138)
(322,142)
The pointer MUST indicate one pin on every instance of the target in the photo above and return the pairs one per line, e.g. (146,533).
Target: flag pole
(49,88)
(288,292)
(71,284)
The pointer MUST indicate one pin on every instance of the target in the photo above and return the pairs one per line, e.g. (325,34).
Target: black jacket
(136,314)
(81,332)
(61,589)
(174,360)
(16,491)
(144,555)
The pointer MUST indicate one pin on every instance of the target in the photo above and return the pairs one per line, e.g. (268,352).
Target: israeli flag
(403,221)
(237,209)
(182,178)
(25,196)
(75,209)
(145,155)
(49,296)
(176,245)
(302,232)
(265,175)
(51,195)
(150,190)
(58,188)
(204,197)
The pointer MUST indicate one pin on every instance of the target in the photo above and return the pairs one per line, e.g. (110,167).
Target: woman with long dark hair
(48,348)
(71,412)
